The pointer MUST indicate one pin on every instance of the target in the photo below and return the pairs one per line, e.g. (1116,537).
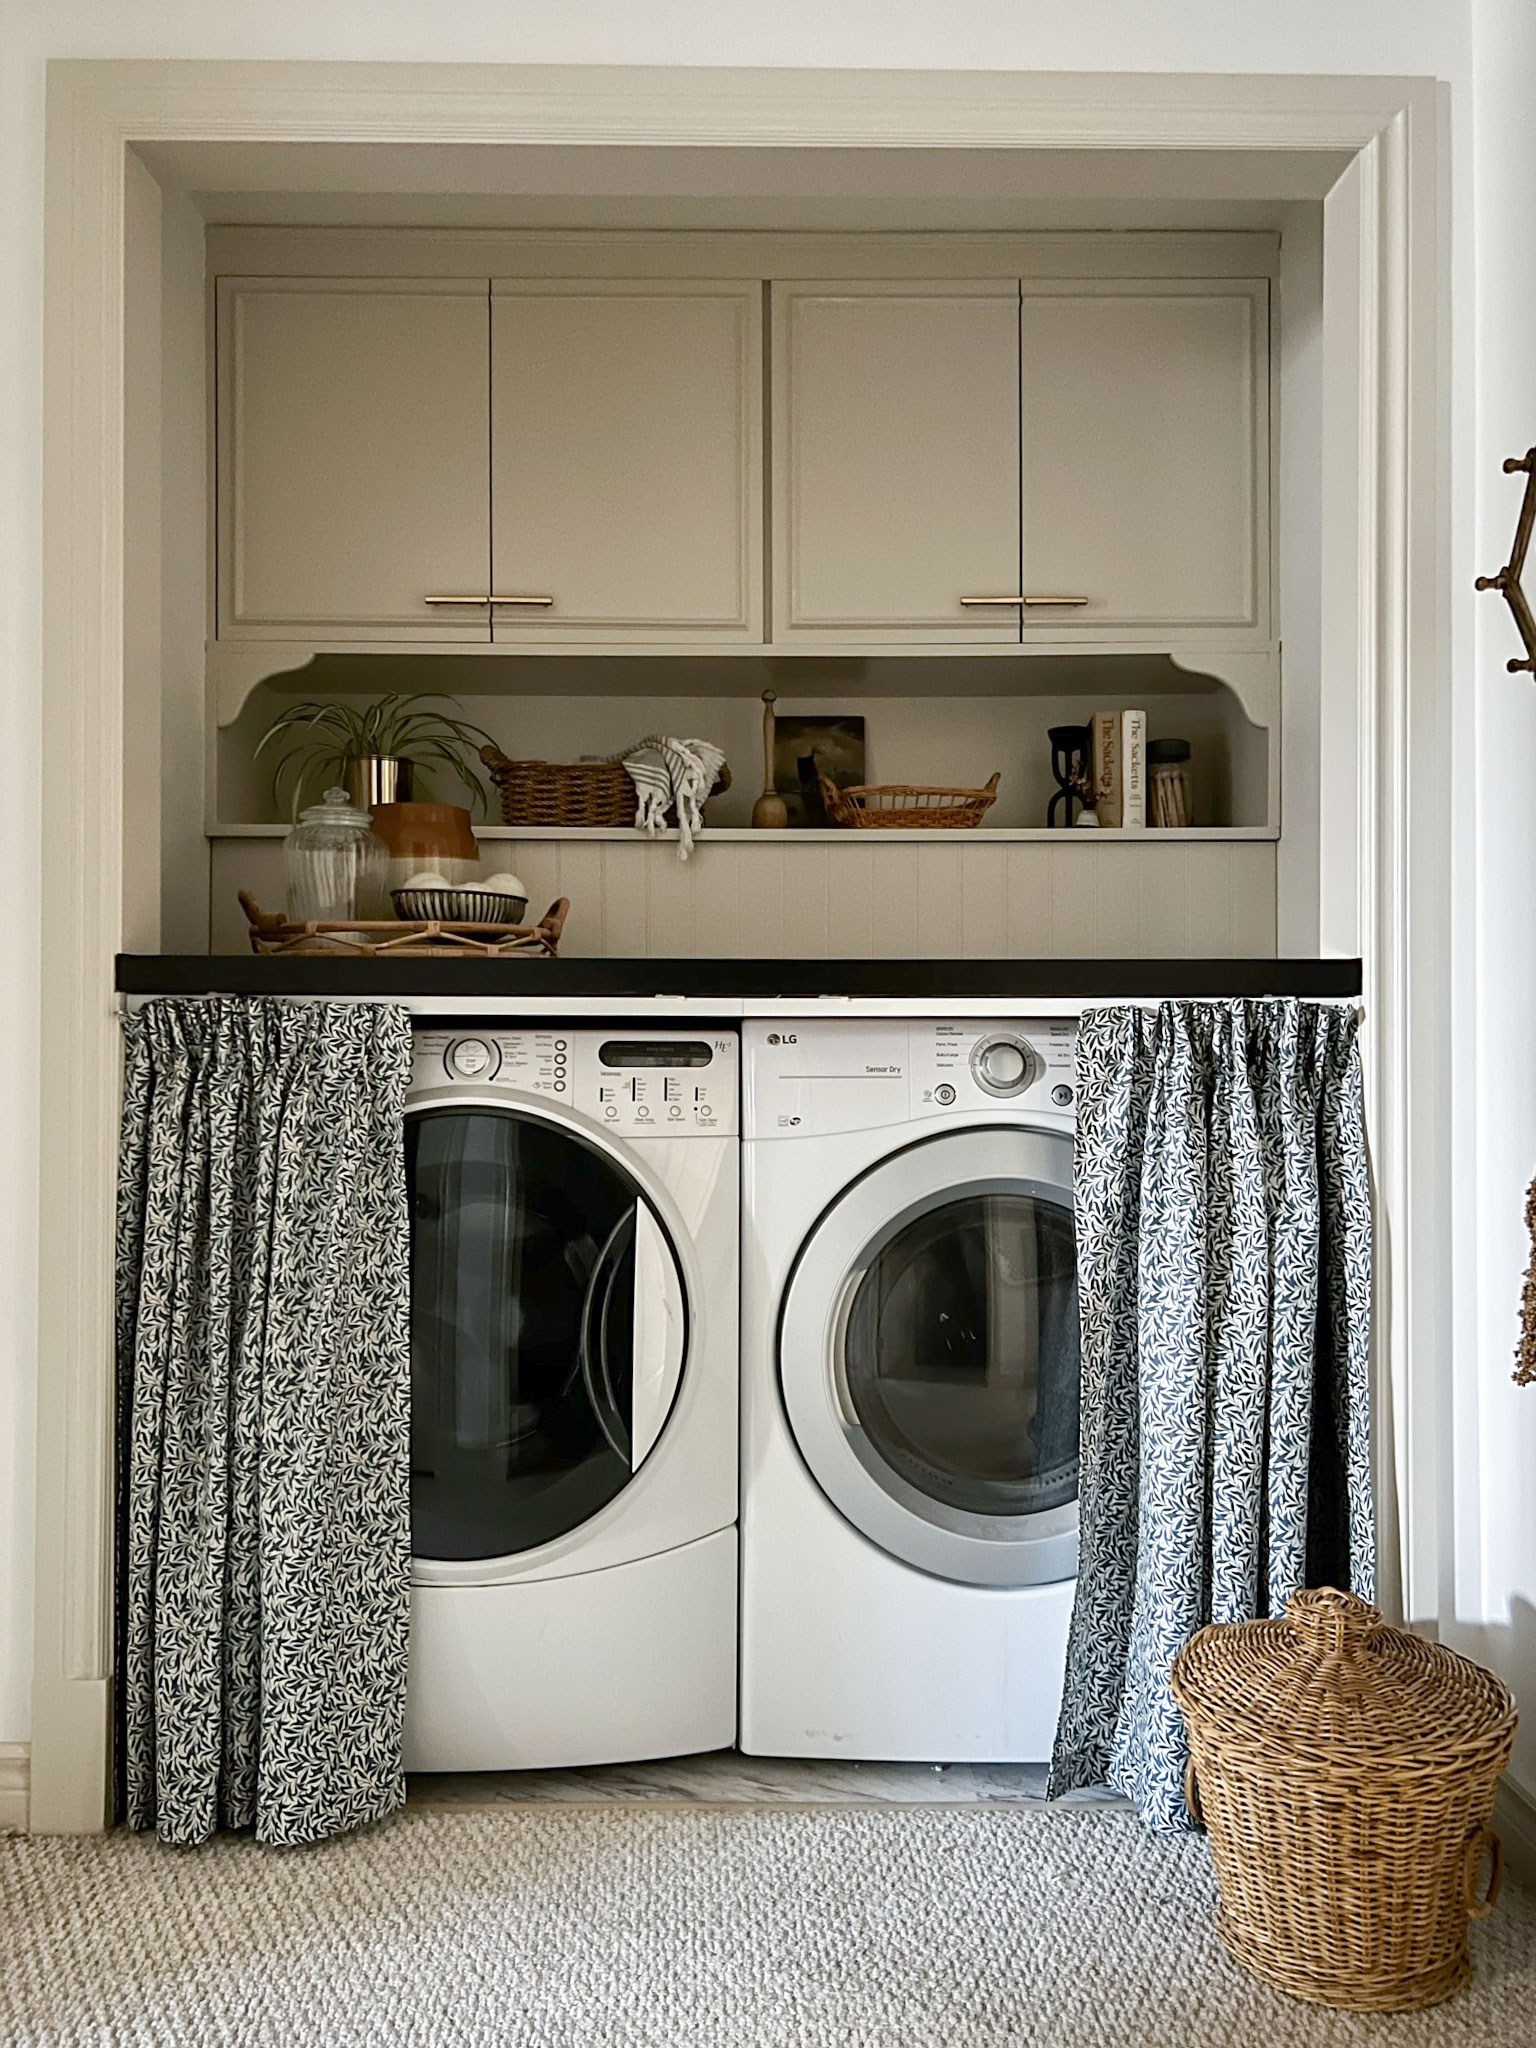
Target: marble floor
(724,1777)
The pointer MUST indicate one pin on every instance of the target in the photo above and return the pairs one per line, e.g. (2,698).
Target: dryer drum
(928,1356)
(960,1353)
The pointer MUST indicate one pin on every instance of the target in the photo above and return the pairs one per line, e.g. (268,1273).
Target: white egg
(505,885)
(429,878)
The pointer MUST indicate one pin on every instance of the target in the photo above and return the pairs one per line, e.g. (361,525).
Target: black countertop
(734,980)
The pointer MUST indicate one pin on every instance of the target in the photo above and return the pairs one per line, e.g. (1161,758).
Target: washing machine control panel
(677,1084)
(865,1074)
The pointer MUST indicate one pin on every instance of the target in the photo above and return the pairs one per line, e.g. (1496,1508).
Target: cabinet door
(896,460)
(354,472)
(1145,456)
(626,466)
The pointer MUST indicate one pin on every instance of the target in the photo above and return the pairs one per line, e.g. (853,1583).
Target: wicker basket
(906,806)
(1346,1772)
(573,794)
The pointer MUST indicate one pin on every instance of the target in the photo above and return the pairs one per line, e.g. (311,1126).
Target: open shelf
(811,836)
(949,721)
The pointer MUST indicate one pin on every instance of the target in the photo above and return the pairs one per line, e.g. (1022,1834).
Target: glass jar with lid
(334,864)
(1168,794)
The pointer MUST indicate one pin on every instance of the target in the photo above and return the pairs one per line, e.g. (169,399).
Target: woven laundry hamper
(1346,1773)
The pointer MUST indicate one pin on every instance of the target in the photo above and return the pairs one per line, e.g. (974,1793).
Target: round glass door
(547,1330)
(929,1356)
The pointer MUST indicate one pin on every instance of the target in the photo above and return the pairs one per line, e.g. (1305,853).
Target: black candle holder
(1072,766)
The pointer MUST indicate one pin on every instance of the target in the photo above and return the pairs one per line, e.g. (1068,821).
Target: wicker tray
(575,794)
(1346,1773)
(906,806)
(380,939)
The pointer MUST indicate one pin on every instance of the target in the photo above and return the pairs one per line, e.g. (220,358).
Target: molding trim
(1382,509)
(15,1785)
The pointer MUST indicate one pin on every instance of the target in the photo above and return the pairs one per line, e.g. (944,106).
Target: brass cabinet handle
(1018,598)
(490,598)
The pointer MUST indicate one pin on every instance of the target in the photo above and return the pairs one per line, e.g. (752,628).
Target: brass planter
(378,779)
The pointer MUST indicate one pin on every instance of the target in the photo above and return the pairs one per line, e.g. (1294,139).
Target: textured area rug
(738,1928)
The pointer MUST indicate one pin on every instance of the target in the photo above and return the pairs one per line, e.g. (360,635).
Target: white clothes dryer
(575,1209)
(910,1385)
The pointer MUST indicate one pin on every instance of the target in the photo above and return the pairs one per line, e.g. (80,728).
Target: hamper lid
(1332,1680)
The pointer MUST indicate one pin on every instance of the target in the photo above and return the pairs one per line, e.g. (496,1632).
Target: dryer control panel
(676,1084)
(808,1079)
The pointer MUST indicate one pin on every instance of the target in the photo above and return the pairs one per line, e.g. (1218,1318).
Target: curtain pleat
(1224,1246)
(264,1416)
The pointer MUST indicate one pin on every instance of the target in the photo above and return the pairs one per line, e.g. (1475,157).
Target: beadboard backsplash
(950,896)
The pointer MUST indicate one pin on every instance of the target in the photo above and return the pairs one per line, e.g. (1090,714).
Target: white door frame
(1385,889)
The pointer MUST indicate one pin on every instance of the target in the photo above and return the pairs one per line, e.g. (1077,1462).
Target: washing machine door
(928,1355)
(548,1329)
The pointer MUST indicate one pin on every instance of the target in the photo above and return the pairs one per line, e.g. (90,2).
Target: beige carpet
(740,1928)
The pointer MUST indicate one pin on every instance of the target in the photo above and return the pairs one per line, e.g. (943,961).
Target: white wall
(1421,37)
(1496,1421)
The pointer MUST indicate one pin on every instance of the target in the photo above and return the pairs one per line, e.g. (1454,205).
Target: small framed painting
(801,746)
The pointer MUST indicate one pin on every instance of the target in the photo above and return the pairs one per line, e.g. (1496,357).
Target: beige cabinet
(626,480)
(1144,456)
(564,461)
(353,426)
(395,456)
(896,460)
(1091,453)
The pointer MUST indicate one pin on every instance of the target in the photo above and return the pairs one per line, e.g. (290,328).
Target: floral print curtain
(1223,1214)
(263,1328)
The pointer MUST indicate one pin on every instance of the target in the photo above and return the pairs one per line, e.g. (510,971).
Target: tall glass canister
(334,864)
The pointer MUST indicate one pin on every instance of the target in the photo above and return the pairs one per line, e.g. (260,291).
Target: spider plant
(317,740)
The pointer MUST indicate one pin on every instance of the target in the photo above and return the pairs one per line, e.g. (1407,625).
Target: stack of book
(1120,769)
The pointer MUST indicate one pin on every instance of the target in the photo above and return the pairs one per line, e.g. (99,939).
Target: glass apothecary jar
(334,864)
(1168,795)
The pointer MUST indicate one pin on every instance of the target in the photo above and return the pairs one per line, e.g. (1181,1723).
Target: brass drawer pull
(1017,599)
(489,599)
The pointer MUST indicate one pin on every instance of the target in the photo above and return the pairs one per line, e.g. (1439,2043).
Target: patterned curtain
(1224,1267)
(263,1329)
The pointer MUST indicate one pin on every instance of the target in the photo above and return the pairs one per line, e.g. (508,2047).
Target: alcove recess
(950,720)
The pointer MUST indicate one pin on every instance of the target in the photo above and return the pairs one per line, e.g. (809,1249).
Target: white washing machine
(910,1386)
(575,1209)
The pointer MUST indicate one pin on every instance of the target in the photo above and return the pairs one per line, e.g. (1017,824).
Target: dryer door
(548,1329)
(928,1353)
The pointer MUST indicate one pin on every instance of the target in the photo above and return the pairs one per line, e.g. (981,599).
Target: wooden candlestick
(770,813)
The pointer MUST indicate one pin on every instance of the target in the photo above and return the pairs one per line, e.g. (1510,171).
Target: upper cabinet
(354,472)
(455,462)
(1144,457)
(1035,460)
(626,477)
(896,460)
(568,451)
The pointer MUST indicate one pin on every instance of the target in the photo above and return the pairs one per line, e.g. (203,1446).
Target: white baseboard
(1514,1815)
(15,1780)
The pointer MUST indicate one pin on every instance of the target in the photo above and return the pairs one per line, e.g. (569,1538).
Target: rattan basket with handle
(1346,1773)
(906,806)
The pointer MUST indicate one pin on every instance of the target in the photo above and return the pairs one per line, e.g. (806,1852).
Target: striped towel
(671,774)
